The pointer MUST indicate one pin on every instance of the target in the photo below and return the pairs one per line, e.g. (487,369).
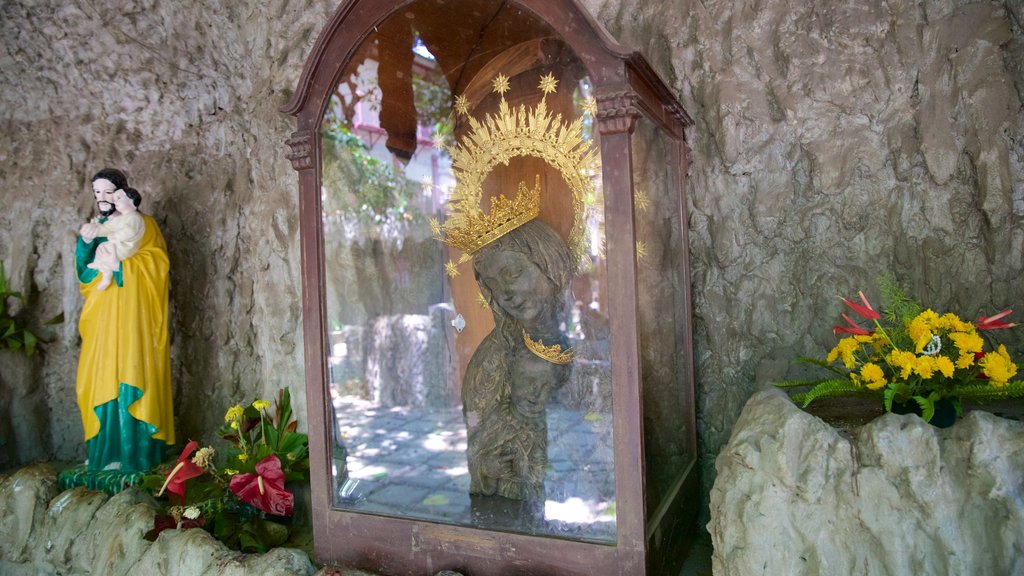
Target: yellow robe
(124,337)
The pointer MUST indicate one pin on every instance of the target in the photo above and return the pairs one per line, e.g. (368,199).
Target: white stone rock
(82,532)
(794,497)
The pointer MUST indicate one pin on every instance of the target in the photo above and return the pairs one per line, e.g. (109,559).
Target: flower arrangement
(245,503)
(913,355)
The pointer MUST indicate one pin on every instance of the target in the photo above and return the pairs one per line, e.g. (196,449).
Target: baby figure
(123,230)
(511,457)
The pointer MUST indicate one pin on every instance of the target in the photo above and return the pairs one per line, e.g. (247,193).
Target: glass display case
(495,293)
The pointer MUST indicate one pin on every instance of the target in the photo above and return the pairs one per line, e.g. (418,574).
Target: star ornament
(501,84)
(462,104)
(548,84)
(451,268)
(641,250)
(641,200)
(590,106)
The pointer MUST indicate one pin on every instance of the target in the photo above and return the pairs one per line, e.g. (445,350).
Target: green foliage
(987,393)
(359,184)
(828,389)
(15,334)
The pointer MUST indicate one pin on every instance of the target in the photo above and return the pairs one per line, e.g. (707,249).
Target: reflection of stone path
(412,462)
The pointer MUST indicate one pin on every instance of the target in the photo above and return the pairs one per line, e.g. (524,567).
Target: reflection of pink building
(361,102)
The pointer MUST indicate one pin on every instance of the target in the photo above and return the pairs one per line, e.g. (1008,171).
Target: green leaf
(989,393)
(800,383)
(284,411)
(30,342)
(831,388)
(249,538)
(927,405)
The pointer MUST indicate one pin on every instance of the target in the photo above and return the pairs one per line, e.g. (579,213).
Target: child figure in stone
(123,230)
(513,443)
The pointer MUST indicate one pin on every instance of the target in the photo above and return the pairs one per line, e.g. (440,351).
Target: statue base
(109,481)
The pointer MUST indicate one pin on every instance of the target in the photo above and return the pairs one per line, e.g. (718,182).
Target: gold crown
(471,232)
(495,139)
(553,353)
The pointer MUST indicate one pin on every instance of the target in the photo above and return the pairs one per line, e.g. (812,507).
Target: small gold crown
(553,353)
(472,232)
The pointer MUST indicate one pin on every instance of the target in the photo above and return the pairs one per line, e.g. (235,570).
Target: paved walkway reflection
(412,463)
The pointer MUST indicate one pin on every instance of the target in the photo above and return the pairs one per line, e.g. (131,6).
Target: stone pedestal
(793,496)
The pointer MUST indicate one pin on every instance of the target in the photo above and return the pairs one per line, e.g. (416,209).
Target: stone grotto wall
(835,140)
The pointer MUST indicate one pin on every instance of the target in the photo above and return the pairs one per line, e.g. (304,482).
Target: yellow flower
(874,377)
(951,322)
(234,424)
(998,366)
(965,361)
(243,457)
(234,413)
(920,329)
(260,404)
(945,366)
(967,342)
(925,366)
(845,349)
(230,471)
(902,360)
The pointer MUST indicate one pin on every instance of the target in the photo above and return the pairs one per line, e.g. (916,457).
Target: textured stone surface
(83,532)
(834,140)
(793,496)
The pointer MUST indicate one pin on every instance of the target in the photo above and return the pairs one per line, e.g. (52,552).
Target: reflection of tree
(356,183)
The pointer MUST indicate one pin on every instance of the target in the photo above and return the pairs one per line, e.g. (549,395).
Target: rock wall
(834,140)
(903,498)
(185,98)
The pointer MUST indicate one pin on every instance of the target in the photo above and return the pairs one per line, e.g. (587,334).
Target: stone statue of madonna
(523,276)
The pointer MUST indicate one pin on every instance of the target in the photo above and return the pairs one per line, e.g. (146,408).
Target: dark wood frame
(626,88)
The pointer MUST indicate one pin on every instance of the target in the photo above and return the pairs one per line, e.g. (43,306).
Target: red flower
(851,329)
(183,470)
(866,311)
(265,489)
(994,322)
(160,523)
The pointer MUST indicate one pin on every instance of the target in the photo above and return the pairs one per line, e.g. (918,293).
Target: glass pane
(660,261)
(470,384)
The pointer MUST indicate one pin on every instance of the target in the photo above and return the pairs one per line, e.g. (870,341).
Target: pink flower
(994,322)
(265,489)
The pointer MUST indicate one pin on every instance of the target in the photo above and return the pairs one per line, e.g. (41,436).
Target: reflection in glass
(468,387)
(660,261)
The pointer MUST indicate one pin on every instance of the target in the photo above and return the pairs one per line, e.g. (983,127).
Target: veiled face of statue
(104,190)
(533,379)
(517,285)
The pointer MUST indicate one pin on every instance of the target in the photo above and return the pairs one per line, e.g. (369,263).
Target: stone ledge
(80,531)
(900,497)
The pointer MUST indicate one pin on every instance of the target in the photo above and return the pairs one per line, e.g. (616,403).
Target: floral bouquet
(245,504)
(913,355)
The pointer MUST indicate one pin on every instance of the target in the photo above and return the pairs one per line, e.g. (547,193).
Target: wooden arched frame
(626,88)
